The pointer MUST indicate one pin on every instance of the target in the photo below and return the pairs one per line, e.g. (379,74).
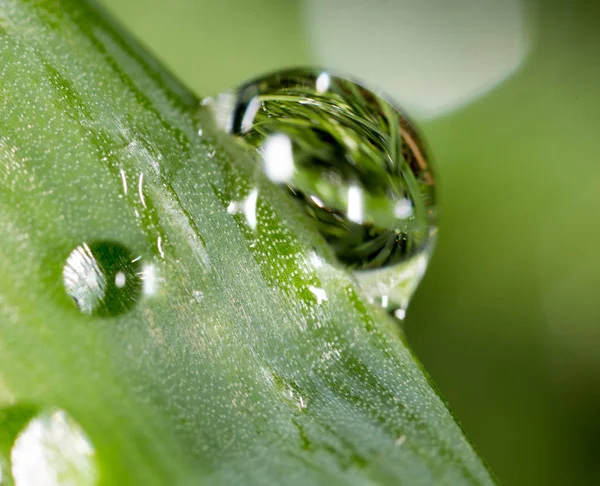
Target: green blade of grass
(232,371)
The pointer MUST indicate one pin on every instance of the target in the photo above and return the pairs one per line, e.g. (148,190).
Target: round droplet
(53,450)
(355,163)
(103,278)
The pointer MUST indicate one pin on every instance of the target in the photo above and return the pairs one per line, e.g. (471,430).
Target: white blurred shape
(355,204)
(278,158)
(247,207)
(315,260)
(384,301)
(323,81)
(120,280)
(250,114)
(150,280)
(319,293)
(53,451)
(403,209)
(430,56)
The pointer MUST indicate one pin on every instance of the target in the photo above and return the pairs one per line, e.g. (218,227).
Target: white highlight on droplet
(319,293)
(384,301)
(247,207)
(355,204)
(200,132)
(301,403)
(403,209)
(120,280)
(83,278)
(222,109)
(149,279)
(207,101)
(124,180)
(278,158)
(323,82)
(160,248)
(141,189)
(315,260)
(400,441)
(317,201)
(400,313)
(250,114)
(52,451)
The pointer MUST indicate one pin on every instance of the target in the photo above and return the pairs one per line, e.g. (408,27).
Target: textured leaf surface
(234,370)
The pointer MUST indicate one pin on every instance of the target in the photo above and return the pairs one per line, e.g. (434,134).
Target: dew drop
(355,164)
(53,450)
(103,278)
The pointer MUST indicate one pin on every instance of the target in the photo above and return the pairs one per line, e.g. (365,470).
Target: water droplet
(53,450)
(103,278)
(354,162)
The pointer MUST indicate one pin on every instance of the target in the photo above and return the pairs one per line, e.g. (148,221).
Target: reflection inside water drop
(356,165)
(103,278)
(53,450)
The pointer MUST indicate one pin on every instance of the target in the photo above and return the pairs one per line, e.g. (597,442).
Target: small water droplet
(355,163)
(103,278)
(53,450)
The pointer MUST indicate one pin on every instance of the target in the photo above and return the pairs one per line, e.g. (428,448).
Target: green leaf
(228,370)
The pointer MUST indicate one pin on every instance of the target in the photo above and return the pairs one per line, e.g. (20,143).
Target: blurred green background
(507,92)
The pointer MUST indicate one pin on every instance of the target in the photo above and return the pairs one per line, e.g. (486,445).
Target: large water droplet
(53,450)
(103,278)
(356,165)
